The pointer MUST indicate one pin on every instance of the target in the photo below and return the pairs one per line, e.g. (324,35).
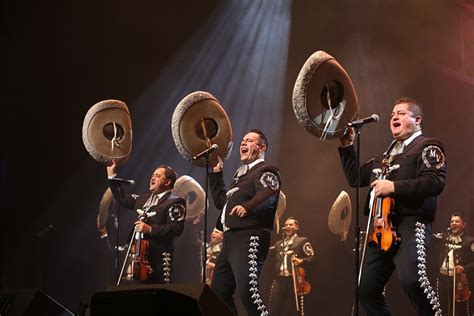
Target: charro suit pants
(238,266)
(409,260)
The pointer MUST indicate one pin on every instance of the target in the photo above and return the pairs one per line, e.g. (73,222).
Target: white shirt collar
(160,195)
(407,141)
(291,238)
(252,164)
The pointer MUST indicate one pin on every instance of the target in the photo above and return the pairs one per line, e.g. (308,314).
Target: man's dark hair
(170,174)
(262,136)
(458,215)
(414,106)
(293,219)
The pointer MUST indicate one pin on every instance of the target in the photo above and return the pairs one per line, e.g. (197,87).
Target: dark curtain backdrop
(60,58)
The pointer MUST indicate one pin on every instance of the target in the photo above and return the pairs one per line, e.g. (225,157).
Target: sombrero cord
(114,142)
(331,118)
(204,129)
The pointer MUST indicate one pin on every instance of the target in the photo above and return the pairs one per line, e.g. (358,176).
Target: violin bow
(293,273)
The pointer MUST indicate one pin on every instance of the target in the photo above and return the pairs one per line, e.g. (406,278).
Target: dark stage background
(59,58)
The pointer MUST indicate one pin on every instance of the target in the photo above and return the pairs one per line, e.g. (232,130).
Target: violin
(383,233)
(462,293)
(140,266)
(461,290)
(302,286)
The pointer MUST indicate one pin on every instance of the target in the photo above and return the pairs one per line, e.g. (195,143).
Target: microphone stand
(357,129)
(204,239)
(448,282)
(118,273)
(117,231)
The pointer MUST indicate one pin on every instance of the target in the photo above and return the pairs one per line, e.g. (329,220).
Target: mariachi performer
(213,250)
(248,212)
(161,218)
(292,254)
(107,136)
(407,195)
(456,269)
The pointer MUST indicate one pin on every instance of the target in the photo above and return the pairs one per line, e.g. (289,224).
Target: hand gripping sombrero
(198,122)
(187,188)
(324,98)
(339,218)
(107,131)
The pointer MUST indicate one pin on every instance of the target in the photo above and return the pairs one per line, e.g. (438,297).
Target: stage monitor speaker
(32,302)
(170,299)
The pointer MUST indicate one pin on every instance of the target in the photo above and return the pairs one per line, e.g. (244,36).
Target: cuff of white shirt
(112,176)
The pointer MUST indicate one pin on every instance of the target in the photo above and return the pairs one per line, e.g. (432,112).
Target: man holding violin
(416,175)
(457,260)
(292,253)
(161,218)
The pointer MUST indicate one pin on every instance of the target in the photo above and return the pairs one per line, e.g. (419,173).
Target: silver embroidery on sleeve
(308,250)
(433,156)
(166,267)
(253,275)
(431,295)
(177,212)
(269,179)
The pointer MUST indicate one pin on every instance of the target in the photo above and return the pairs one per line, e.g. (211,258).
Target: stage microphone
(48,229)
(206,152)
(373,118)
(441,235)
(131,182)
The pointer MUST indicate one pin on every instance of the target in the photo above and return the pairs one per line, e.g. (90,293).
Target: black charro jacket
(418,181)
(257,191)
(167,218)
(300,246)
